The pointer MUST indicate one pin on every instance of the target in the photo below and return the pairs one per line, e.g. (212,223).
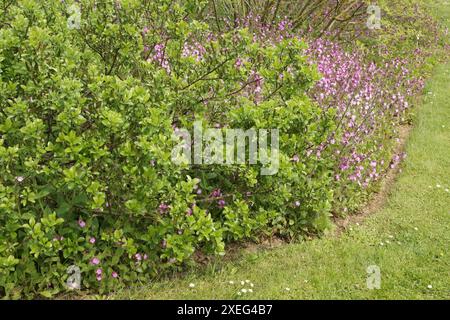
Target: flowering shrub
(86,123)
(87,116)
(370,102)
(316,17)
(368,94)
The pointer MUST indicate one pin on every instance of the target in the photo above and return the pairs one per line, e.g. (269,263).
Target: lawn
(408,239)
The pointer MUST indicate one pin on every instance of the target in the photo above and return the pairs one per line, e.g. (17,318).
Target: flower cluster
(370,101)
(195,50)
(159,56)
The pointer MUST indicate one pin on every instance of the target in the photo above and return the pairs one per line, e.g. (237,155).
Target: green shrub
(86,125)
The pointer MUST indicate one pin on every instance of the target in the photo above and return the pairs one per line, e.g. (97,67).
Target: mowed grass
(408,239)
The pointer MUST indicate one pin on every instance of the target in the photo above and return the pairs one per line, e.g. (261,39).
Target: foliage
(86,124)
(88,114)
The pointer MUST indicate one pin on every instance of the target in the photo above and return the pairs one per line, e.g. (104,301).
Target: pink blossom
(221,203)
(216,193)
(238,63)
(81,223)
(163,208)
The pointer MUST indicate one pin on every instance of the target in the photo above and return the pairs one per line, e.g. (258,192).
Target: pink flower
(257,81)
(297,203)
(145,256)
(95,261)
(138,257)
(92,240)
(221,203)
(81,223)
(160,57)
(115,275)
(196,50)
(99,277)
(295,158)
(238,63)
(145,30)
(216,193)
(99,272)
(163,208)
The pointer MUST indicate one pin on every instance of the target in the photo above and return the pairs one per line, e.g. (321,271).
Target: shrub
(369,99)
(86,123)
(316,17)
(93,104)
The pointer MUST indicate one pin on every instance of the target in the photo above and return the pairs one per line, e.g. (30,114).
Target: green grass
(413,225)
